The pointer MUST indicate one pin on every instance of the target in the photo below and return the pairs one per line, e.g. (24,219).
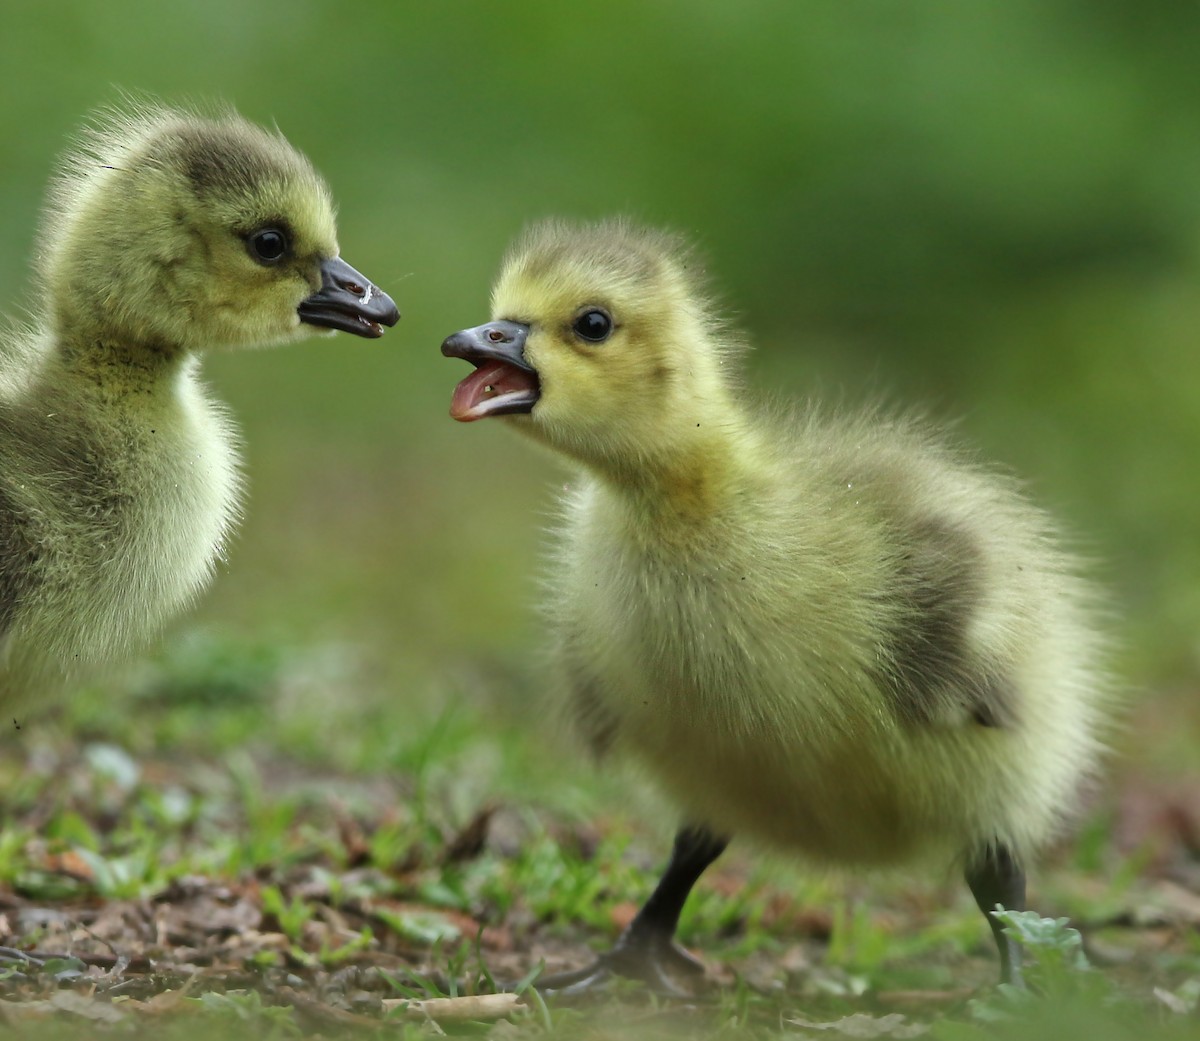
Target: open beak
(348,301)
(503,382)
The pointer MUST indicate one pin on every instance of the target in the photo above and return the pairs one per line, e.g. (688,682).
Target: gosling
(165,233)
(832,634)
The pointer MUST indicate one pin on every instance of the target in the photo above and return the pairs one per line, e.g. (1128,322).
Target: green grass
(310,887)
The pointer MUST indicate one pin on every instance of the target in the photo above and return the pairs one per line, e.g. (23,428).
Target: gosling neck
(116,363)
(688,471)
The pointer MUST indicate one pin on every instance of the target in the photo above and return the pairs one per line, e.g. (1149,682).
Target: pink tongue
(491,380)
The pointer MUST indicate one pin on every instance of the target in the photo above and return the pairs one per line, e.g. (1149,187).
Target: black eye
(595,326)
(267,245)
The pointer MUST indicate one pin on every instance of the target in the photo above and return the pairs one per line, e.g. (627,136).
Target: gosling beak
(503,382)
(348,301)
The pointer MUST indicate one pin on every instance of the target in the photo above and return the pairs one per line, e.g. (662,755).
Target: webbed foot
(655,960)
(645,951)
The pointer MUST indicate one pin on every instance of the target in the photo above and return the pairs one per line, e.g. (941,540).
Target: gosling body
(166,233)
(836,635)
(116,503)
(826,651)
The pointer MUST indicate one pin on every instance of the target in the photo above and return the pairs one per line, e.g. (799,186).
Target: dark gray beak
(499,341)
(348,301)
(503,383)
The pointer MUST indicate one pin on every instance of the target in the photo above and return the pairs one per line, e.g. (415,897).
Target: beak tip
(342,303)
(452,345)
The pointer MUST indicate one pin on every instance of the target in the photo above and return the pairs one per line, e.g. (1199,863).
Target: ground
(173,866)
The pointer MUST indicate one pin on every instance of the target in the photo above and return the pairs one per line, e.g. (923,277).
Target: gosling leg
(646,950)
(997,878)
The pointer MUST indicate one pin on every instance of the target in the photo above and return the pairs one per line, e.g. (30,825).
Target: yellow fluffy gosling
(165,233)
(832,634)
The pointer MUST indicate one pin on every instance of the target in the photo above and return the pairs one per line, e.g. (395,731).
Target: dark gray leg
(997,878)
(646,949)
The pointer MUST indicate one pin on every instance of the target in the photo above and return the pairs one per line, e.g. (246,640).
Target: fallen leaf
(1183,1001)
(622,914)
(470,840)
(165,1002)
(68,1001)
(70,863)
(322,1012)
(457,1010)
(1160,819)
(862,1025)
(923,997)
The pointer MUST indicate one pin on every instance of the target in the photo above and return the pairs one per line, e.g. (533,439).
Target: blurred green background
(991,209)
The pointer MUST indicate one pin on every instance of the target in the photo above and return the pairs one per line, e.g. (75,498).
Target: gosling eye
(594,326)
(267,245)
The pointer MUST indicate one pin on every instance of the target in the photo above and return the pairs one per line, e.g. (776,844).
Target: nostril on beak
(496,336)
(364,293)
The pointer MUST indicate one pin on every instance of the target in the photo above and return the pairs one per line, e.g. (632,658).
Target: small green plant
(136,874)
(331,957)
(292,915)
(425,927)
(207,670)
(1054,968)
(272,1022)
(858,942)
(1054,949)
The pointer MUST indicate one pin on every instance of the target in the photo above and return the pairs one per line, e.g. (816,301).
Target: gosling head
(174,231)
(602,344)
